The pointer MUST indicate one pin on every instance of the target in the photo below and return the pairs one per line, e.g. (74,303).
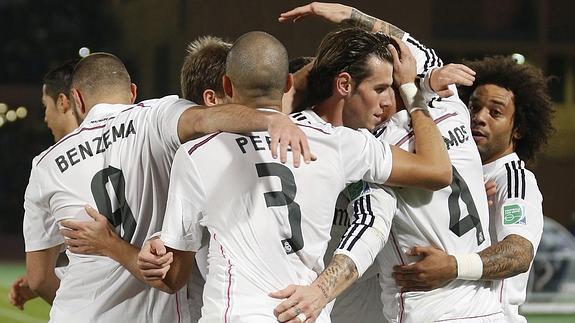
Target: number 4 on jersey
(460,190)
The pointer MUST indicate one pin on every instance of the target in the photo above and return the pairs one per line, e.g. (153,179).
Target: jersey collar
(493,166)
(103,111)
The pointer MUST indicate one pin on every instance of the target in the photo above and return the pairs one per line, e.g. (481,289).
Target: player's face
(492,111)
(372,101)
(51,114)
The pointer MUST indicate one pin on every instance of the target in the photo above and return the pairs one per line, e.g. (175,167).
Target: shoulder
(515,181)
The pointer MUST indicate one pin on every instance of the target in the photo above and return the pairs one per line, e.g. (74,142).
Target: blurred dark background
(151,36)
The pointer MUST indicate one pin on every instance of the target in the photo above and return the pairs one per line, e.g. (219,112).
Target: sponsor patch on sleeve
(514,214)
(356,189)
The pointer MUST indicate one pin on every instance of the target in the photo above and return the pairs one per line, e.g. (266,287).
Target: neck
(108,99)
(331,110)
(257,103)
(495,157)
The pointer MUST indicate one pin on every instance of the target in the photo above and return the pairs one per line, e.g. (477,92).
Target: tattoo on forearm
(362,20)
(340,270)
(509,257)
(390,29)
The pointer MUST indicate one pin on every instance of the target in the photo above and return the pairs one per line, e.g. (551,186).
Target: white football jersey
(516,209)
(269,223)
(118,160)
(454,219)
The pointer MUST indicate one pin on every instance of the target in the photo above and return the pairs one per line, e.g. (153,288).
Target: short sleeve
(165,117)
(364,156)
(182,229)
(40,228)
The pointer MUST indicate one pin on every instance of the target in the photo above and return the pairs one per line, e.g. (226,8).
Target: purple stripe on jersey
(438,120)
(196,146)
(228,290)
(66,138)
(178,307)
(401,297)
(470,317)
(308,126)
(501,291)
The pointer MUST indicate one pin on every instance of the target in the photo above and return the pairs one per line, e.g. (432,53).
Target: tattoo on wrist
(362,20)
(341,267)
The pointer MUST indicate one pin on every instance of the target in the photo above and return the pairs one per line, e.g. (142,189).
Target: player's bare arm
(310,300)
(339,13)
(160,272)
(42,279)
(430,167)
(196,122)
(507,258)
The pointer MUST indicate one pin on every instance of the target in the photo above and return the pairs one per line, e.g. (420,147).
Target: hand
(287,135)
(20,293)
(308,300)
(442,77)
(90,237)
(154,260)
(332,12)
(404,67)
(435,270)
(491,190)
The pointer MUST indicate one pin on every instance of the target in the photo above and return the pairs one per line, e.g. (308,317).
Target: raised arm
(430,167)
(339,13)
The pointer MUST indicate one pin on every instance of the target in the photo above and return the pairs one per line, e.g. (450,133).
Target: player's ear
(62,103)
(78,102)
(210,97)
(133,92)
(343,83)
(289,83)
(228,88)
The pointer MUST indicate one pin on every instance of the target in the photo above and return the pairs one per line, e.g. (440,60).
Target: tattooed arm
(507,258)
(310,300)
(365,21)
(339,13)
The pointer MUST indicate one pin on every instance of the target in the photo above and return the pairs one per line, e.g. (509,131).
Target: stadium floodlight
(21,112)
(3,108)
(84,51)
(11,115)
(519,59)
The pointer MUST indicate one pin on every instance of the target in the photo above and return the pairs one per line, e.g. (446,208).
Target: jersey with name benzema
(118,161)
(269,223)
(454,219)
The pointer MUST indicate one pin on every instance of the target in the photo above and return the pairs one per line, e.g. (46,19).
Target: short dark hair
(203,68)
(533,106)
(100,73)
(59,79)
(296,64)
(345,50)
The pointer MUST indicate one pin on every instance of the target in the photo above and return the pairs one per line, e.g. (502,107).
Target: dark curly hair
(533,106)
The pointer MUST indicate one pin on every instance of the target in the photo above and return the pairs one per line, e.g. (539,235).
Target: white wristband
(412,97)
(469,267)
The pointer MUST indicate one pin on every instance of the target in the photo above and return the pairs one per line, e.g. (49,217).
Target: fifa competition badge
(514,214)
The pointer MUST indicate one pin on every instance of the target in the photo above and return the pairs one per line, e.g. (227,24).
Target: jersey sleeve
(182,229)
(165,118)
(520,208)
(425,57)
(372,208)
(40,228)
(363,156)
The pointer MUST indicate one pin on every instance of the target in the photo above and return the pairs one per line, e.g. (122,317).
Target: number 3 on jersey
(122,215)
(285,197)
